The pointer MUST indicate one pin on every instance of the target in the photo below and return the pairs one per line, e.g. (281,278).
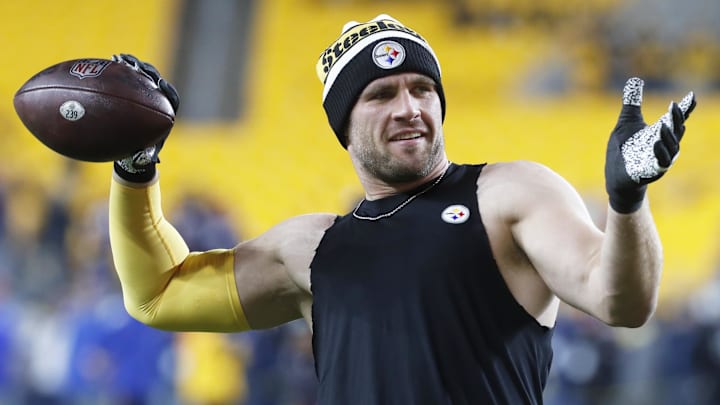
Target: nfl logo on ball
(88,68)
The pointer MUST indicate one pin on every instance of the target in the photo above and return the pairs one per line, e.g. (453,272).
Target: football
(94,110)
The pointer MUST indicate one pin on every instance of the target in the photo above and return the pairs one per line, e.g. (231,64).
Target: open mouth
(406,137)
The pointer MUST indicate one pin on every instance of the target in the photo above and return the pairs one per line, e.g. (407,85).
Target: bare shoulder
(518,172)
(303,226)
(299,234)
(530,212)
(521,179)
(524,177)
(295,241)
(273,270)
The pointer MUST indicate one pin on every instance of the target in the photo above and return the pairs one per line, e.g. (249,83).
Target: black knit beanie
(365,52)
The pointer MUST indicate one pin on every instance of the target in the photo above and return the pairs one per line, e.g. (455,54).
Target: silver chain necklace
(403,204)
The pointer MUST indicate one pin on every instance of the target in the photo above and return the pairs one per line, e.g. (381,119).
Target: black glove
(637,153)
(140,167)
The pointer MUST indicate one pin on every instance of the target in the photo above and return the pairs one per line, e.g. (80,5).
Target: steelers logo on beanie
(365,52)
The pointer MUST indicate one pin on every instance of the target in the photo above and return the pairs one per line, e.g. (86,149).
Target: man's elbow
(141,314)
(631,316)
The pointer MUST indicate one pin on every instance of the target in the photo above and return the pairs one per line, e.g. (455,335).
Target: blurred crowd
(597,43)
(66,339)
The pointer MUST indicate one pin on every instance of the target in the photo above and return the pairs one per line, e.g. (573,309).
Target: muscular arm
(163,284)
(273,270)
(612,274)
(261,283)
(631,266)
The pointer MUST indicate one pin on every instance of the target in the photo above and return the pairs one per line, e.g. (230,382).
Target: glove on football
(637,153)
(140,167)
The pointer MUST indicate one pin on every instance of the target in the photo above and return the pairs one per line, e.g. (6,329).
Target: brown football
(94,110)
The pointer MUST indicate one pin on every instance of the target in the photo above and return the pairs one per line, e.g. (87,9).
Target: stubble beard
(382,165)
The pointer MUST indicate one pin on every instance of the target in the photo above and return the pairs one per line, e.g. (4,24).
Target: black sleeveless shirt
(412,309)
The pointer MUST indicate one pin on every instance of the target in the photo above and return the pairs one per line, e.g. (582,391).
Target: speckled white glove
(637,153)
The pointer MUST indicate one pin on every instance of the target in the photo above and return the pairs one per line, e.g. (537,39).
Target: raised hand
(140,167)
(151,72)
(637,153)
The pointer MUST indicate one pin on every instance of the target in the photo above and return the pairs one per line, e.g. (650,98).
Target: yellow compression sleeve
(164,285)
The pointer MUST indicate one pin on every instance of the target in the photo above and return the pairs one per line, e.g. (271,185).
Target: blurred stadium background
(535,80)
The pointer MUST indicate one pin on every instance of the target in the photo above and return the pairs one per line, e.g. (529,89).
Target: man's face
(395,128)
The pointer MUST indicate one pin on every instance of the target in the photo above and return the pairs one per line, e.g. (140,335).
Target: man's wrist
(627,201)
(133,175)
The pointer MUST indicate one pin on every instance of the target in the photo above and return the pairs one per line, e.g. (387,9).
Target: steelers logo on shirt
(455,214)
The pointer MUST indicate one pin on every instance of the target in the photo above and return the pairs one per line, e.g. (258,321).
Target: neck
(376,189)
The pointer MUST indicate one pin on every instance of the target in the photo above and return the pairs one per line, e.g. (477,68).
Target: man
(443,285)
